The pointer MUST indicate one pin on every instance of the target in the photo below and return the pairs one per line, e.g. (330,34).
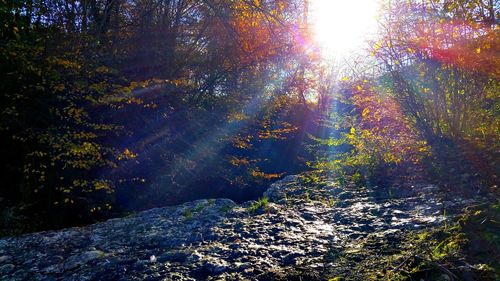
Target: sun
(341,27)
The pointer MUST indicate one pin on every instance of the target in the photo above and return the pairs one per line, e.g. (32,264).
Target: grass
(436,253)
(261,203)
(330,202)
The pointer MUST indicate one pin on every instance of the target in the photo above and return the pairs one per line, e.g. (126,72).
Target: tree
(441,57)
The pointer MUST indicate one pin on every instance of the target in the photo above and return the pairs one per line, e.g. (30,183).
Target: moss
(306,196)
(226,208)
(199,207)
(188,214)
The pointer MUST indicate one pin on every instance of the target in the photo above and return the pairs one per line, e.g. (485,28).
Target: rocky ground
(305,232)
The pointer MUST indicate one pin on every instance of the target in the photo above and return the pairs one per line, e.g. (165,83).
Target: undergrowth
(468,249)
(261,203)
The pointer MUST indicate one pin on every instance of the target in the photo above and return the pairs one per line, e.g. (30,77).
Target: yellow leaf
(365,112)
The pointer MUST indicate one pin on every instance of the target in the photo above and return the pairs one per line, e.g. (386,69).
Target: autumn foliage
(108,107)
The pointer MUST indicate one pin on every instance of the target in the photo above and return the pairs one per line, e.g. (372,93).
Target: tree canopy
(111,106)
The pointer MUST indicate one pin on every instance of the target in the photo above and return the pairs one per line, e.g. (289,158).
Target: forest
(110,107)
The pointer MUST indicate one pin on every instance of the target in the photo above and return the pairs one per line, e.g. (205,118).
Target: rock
(180,256)
(309,216)
(345,195)
(290,259)
(301,231)
(6,269)
(5,259)
(81,259)
(139,265)
(216,267)
(52,269)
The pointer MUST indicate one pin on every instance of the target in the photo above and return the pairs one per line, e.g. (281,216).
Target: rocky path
(298,235)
